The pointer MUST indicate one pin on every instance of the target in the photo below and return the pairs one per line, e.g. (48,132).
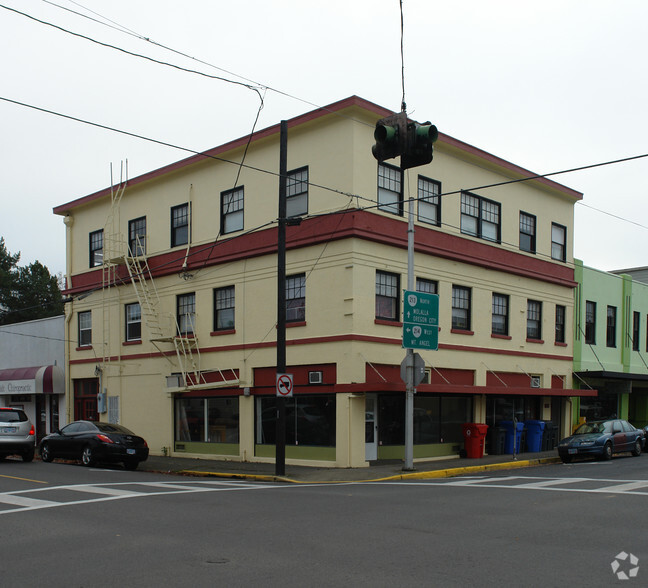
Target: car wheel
(28,455)
(637,448)
(131,464)
(566,459)
(87,459)
(607,451)
(46,454)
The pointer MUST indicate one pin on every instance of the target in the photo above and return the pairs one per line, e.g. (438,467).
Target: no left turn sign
(284,385)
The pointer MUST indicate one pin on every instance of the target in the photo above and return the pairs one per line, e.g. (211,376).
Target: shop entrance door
(371,427)
(85,399)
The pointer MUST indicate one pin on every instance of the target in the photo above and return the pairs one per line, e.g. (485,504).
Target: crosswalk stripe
(25,501)
(102,490)
(624,487)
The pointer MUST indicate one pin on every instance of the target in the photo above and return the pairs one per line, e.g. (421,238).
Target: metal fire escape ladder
(113,244)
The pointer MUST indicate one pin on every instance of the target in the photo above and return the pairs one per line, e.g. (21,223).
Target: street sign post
(419,369)
(420,320)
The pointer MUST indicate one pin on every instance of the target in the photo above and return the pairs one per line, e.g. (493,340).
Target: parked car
(94,442)
(17,434)
(601,439)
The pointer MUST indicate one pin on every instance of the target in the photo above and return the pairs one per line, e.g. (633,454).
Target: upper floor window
(560,324)
(387,289)
(610,335)
(527,232)
(180,225)
(133,322)
(85,328)
(534,319)
(429,201)
(590,322)
(96,248)
(480,217)
(296,298)
(297,192)
(427,286)
(232,210)
(224,308)
(636,317)
(461,312)
(500,316)
(186,313)
(137,236)
(558,242)
(389,189)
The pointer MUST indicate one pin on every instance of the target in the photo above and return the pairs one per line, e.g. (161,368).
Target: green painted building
(611,344)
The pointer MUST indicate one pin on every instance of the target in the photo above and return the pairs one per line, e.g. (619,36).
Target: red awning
(41,379)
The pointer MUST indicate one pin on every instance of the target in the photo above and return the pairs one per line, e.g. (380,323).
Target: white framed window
(96,248)
(296,298)
(133,322)
(389,189)
(297,192)
(232,210)
(85,328)
(480,217)
(558,241)
(429,201)
(224,306)
(186,313)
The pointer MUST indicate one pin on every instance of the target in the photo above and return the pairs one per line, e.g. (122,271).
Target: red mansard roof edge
(351,101)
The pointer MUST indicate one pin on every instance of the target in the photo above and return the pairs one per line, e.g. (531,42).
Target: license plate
(9,429)
(130,451)
(572,451)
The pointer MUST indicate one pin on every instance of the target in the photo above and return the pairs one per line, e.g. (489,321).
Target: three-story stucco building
(174,280)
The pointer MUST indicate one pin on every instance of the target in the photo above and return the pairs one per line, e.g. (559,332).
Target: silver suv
(17,435)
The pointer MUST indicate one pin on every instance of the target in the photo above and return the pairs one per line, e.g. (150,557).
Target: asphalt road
(559,525)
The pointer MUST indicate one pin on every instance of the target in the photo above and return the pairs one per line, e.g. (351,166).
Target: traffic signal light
(419,144)
(390,135)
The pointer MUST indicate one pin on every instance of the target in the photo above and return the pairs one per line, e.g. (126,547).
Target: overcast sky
(548,85)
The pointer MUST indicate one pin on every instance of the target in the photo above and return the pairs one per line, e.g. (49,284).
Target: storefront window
(310,420)
(437,419)
(604,406)
(207,420)
(504,408)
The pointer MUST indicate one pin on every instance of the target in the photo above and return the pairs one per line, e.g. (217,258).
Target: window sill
(84,347)
(223,332)
(559,344)
(134,342)
(388,322)
(497,336)
(541,341)
(296,324)
(462,332)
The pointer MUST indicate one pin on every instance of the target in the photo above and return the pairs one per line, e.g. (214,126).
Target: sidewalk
(383,471)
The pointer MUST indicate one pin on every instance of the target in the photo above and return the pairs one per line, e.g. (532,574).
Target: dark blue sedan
(601,439)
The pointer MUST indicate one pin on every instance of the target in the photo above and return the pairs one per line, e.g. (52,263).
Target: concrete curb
(445,473)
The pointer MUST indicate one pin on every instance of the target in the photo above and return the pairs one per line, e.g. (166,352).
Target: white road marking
(112,491)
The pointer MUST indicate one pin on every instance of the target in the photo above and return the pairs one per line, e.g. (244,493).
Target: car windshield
(113,428)
(589,428)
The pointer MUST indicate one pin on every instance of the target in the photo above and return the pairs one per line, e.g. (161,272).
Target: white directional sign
(420,320)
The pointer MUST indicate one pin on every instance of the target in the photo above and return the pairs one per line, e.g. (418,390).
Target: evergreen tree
(26,293)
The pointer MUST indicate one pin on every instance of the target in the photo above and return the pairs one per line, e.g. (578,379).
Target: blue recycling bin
(534,435)
(508,443)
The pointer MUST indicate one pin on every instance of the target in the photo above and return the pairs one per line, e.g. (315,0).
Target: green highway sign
(420,320)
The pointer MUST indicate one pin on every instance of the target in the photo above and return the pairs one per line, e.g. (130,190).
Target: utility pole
(409,357)
(280,435)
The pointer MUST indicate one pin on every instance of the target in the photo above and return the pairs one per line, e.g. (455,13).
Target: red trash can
(474,436)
